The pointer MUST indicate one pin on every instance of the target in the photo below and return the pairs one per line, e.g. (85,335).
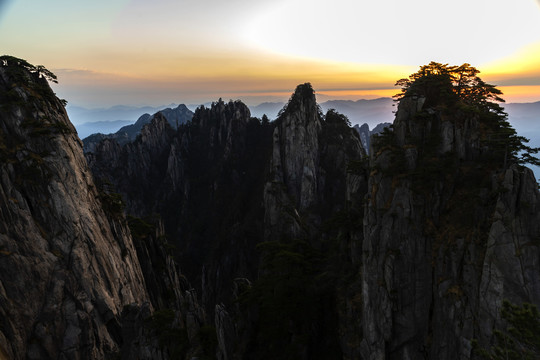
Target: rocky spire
(295,157)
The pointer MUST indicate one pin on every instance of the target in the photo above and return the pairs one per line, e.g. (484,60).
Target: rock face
(317,179)
(365,133)
(444,234)
(68,267)
(295,157)
(310,156)
(230,182)
(138,167)
(202,181)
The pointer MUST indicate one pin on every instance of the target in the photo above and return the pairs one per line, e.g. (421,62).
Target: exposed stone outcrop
(365,135)
(226,333)
(318,174)
(511,262)
(190,178)
(310,158)
(457,132)
(68,268)
(295,157)
(444,239)
(228,183)
(136,168)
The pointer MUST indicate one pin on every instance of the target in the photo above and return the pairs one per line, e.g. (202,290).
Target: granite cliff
(68,267)
(450,229)
(366,133)
(226,183)
(71,283)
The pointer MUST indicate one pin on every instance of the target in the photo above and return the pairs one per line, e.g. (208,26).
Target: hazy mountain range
(523,116)
(175,116)
(108,120)
(83,115)
(105,121)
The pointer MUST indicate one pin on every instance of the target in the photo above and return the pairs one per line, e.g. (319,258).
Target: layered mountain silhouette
(233,237)
(177,116)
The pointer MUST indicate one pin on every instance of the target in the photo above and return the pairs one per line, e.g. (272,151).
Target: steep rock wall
(231,182)
(445,234)
(67,267)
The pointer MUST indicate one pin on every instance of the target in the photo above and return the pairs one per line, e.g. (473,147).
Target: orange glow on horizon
(137,52)
(522,93)
(255,79)
(358,94)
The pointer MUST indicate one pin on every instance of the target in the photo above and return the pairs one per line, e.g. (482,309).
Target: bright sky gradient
(140,52)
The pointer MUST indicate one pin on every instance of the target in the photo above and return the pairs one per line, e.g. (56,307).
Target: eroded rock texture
(226,182)
(448,236)
(67,267)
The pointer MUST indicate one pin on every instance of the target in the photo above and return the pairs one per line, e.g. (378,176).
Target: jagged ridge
(297,245)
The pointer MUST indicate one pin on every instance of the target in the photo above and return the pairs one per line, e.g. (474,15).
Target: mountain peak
(304,94)
(302,101)
(304,91)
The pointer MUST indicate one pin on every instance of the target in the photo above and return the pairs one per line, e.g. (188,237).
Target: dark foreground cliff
(446,239)
(451,226)
(249,239)
(71,283)
(67,266)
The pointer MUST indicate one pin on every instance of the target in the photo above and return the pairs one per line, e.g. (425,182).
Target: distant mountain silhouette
(107,120)
(177,116)
(524,114)
(525,118)
(372,112)
(104,127)
(81,115)
(362,111)
(269,109)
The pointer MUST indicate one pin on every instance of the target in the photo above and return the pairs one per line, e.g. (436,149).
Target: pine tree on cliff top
(460,87)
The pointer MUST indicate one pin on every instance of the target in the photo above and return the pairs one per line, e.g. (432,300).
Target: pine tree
(461,87)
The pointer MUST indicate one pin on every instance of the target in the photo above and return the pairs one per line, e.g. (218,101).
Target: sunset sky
(139,52)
